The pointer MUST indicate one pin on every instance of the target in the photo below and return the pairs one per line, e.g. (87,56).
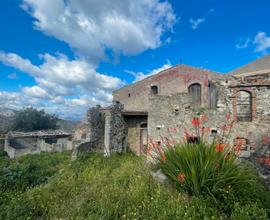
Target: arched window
(195,92)
(154,90)
(244,106)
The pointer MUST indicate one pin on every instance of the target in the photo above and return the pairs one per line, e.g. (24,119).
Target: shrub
(3,153)
(202,169)
(31,119)
(29,171)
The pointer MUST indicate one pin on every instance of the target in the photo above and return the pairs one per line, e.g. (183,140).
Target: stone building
(162,105)
(21,143)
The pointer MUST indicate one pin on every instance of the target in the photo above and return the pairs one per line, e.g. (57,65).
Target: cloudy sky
(65,56)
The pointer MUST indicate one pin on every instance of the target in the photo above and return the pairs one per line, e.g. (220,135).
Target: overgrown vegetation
(212,171)
(97,187)
(30,119)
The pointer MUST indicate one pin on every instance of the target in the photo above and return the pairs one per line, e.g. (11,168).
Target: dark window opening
(193,140)
(129,95)
(244,106)
(214,132)
(195,92)
(154,90)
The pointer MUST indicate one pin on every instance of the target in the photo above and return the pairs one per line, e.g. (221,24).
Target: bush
(31,119)
(29,171)
(202,169)
(3,153)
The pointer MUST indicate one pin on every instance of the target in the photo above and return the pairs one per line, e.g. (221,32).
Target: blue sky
(65,56)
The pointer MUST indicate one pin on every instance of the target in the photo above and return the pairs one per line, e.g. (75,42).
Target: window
(129,95)
(244,106)
(195,92)
(154,90)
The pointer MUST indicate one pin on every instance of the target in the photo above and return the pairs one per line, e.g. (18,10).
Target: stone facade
(171,98)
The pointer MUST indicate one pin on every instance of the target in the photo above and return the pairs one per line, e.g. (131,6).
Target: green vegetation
(213,171)
(49,186)
(30,119)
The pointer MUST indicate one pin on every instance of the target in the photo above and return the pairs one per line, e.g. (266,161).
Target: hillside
(49,186)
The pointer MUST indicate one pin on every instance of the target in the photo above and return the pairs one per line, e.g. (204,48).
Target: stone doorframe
(143,131)
(253,101)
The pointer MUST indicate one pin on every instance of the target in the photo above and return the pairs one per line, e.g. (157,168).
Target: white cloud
(37,92)
(262,42)
(128,27)
(59,76)
(195,23)
(243,43)
(61,81)
(140,75)
(95,30)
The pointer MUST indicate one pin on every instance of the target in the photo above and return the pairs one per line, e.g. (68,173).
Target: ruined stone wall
(169,116)
(107,131)
(96,121)
(175,80)
(117,129)
(164,121)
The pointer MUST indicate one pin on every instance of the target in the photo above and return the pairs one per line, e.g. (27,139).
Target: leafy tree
(30,119)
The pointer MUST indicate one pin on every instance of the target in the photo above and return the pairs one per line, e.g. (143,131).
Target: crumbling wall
(95,142)
(118,128)
(170,116)
(108,131)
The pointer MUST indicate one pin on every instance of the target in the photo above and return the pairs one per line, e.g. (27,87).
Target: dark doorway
(195,92)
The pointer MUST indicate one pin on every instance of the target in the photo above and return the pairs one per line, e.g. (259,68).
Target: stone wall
(116,129)
(135,97)
(168,114)
(107,131)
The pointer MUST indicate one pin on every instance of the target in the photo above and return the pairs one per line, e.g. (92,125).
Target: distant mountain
(7,112)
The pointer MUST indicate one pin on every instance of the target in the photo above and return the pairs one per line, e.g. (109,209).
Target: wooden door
(196,92)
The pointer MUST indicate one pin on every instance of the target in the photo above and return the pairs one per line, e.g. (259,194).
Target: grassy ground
(49,186)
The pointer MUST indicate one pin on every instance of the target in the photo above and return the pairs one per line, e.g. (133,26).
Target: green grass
(94,187)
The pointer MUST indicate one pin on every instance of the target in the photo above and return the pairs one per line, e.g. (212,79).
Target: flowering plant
(202,168)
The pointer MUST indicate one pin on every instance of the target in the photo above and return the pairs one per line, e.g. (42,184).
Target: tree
(30,119)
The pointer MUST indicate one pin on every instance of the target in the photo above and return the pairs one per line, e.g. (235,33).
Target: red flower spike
(181,177)
(195,122)
(220,147)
